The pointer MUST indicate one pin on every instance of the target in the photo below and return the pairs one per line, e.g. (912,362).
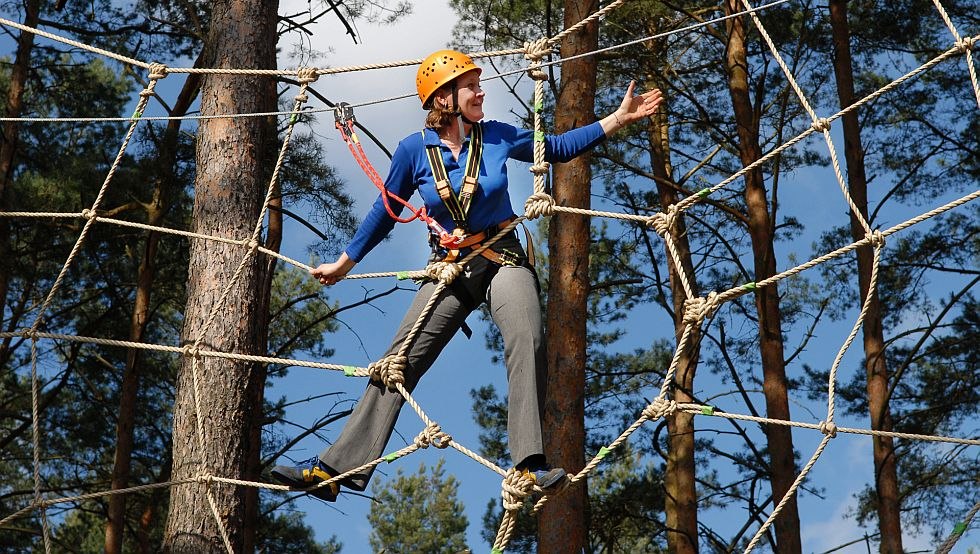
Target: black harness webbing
(458,206)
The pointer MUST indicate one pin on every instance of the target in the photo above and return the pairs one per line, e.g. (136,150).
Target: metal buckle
(343,113)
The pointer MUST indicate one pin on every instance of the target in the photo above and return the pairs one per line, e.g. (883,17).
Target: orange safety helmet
(439,68)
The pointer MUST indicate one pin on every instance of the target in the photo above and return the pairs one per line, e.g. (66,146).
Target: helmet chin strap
(456,109)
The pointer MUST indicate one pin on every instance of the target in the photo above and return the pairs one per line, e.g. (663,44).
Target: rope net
(516,487)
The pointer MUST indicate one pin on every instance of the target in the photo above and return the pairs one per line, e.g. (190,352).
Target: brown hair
(439,117)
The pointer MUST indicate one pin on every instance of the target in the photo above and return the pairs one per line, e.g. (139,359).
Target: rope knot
(965,43)
(660,407)
(828,428)
(158,71)
(661,222)
(251,244)
(698,309)
(540,169)
(89,214)
(432,434)
(307,75)
(537,50)
(876,239)
(517,486)
(390,370)
(191,351)
(444,272)
(30,334)
(820,125)
(538,204)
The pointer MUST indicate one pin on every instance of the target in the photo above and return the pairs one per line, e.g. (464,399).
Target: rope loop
(89,214)
(390,370)
(660,407)
(432,435)
(444,272)
(537,50)
(828,428)
(820,125)
(517,486)
(698,309)
(876,239)
(158,71)
(307,75)
(539,204)
(965,43)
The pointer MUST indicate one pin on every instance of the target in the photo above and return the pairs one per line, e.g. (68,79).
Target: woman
(458,149)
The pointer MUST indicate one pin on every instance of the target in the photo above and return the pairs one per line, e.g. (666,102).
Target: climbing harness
(459,205)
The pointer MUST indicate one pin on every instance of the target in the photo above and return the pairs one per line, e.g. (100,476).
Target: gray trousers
(511,293)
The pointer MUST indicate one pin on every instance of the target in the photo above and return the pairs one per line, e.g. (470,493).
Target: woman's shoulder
(500,130)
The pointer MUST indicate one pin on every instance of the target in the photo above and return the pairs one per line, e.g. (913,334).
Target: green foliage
(418,513)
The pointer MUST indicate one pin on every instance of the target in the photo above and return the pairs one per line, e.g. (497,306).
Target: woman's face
(468,94)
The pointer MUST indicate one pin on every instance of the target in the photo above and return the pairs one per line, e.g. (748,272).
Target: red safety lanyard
(345,124)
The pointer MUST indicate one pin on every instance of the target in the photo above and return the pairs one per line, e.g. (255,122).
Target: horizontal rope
(351,371)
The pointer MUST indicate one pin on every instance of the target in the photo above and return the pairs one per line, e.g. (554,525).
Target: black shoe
(307,476)
(548,479)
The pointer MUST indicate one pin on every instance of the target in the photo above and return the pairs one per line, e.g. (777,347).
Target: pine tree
(418,513)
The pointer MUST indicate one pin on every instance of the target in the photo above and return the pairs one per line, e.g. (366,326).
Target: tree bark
(563,524)
(681,501)
(886,472)
(761,232)
(215,396)
(128,389)
(8,141)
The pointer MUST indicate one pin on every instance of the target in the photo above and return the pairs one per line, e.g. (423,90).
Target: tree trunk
(563,524)
(8,141)
(886,474)
(128,389)
(681,501)
(217,397)
(761,232)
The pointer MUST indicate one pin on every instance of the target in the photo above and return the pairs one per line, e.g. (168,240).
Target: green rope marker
(538,107)
(402,275)
(349,370)
(707,410)
(602,452)
(539,136)
(496,551)
(703,192)
(391,457)
(750,286)
(959,528)
(292,119)
(137,115)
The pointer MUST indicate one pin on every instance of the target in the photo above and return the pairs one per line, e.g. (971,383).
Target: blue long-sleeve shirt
(410,172)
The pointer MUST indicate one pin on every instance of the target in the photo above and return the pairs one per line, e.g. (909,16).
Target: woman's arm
(377,223)
(328,274)
(631,109)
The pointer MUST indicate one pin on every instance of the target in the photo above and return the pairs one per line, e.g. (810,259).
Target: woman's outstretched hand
(329,274)
(632,108)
